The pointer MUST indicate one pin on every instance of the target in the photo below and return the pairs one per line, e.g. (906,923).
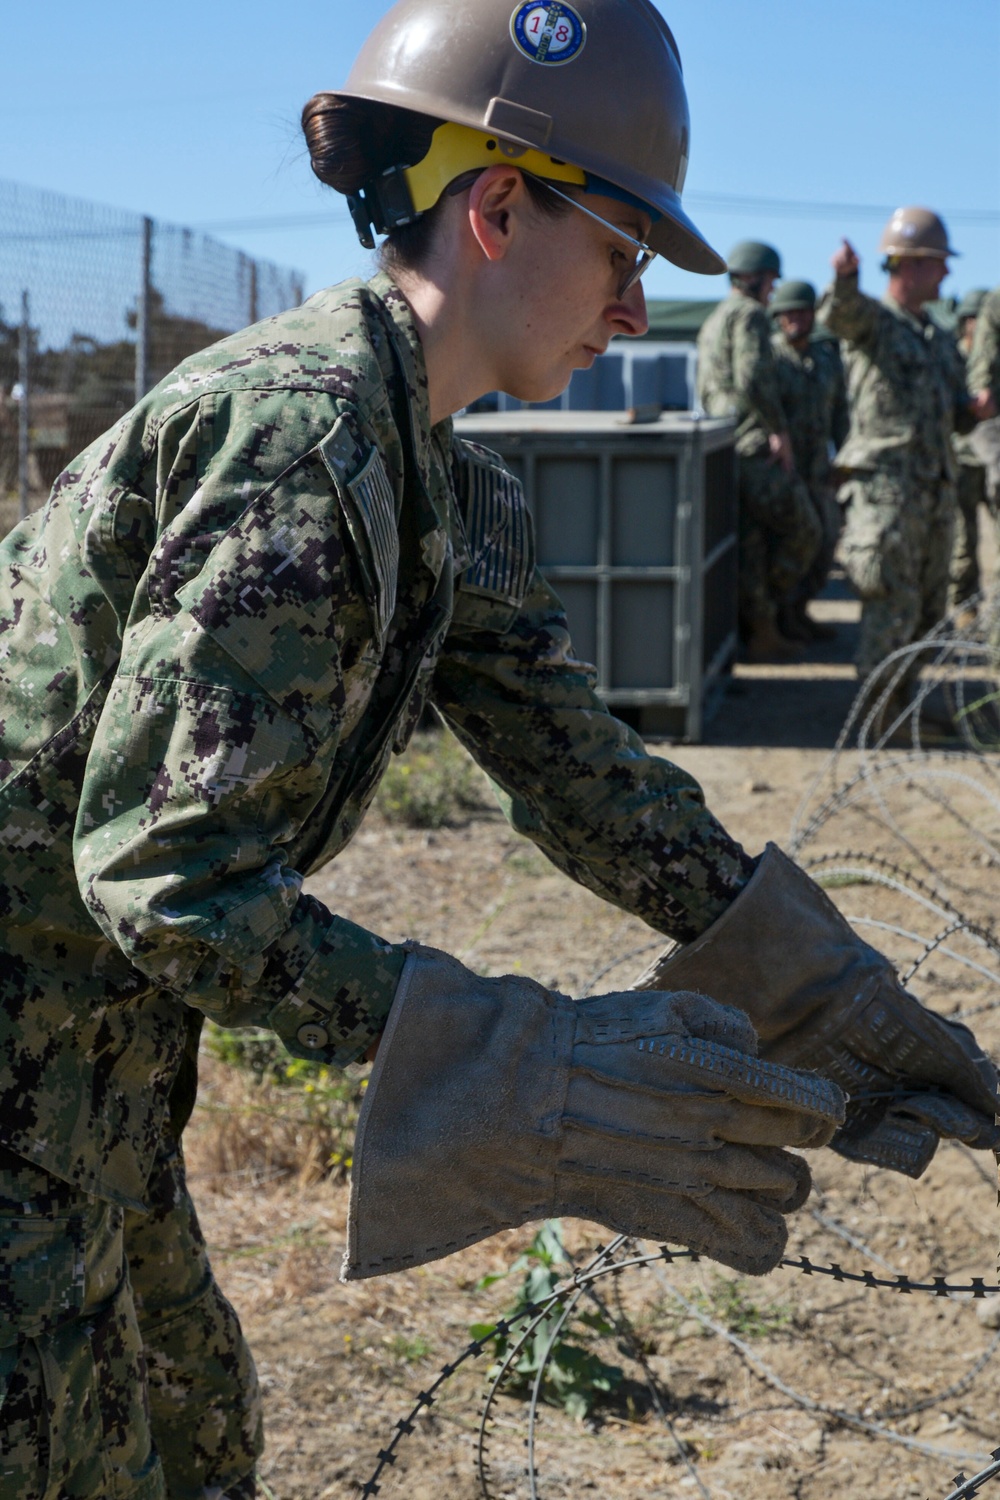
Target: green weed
(575,1378)
(409,1350)
(434,783)
(301,1116)
(728,1303)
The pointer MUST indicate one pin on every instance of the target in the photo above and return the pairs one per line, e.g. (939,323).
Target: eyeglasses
(645,254)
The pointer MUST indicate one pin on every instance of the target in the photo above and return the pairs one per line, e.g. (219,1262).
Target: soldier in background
(907,393)
(984,358)
(965,581)
(737,376)
(984,382)
(814,397)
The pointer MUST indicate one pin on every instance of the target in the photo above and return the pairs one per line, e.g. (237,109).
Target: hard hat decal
(551,33)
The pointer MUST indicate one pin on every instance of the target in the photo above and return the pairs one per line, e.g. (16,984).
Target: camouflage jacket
(814,399)
(984,361)
(737,375)
(964,444)
(211,639)
(905,386)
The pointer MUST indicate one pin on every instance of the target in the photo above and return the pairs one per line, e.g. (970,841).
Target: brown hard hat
(916,232)
(595,83)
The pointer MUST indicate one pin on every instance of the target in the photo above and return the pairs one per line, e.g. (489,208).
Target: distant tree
(10,338)
(172,338)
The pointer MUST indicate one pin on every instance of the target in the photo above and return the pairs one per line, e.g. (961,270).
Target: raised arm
(844,308)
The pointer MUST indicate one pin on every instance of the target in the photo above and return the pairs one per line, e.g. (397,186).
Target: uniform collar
(411,355)
(432,445)
(740,294)
(923,325)
(789,348)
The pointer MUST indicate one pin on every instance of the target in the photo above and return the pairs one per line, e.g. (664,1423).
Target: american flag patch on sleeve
(497,526)
(373,496)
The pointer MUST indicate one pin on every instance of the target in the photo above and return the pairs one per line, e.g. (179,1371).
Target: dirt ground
(784,1414)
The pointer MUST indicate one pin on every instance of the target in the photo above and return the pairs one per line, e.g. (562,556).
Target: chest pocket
(370,512)
(499,539)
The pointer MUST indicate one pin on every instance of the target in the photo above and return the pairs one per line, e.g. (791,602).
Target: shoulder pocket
(499,537)
(360,474)
(305,579)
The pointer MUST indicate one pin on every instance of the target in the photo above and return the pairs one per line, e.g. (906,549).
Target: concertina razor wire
(887,774)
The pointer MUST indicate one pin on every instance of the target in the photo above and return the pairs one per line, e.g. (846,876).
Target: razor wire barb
(966,1488)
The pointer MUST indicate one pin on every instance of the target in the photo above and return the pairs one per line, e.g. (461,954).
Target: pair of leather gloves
(657,1112)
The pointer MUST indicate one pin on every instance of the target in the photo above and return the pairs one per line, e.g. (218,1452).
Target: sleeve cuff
(340,1002)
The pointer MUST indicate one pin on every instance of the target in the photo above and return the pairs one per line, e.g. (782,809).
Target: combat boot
(790,623)
(765,643)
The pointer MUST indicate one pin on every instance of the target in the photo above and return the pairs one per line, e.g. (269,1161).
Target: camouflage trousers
(965,580)
(896,550)
(123,1370)
(831,520)
(780,536)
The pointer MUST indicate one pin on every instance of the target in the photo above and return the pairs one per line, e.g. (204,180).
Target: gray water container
(644,373)
(635,527)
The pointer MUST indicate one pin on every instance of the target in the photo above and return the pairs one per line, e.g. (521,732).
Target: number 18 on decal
(551,34)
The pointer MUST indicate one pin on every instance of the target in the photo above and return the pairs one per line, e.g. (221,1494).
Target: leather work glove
(821,998)
(496,1101)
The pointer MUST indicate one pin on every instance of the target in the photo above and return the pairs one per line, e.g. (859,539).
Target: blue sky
(189,113)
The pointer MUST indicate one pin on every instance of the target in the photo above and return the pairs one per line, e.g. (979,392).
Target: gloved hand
(821,998)
(497,1101)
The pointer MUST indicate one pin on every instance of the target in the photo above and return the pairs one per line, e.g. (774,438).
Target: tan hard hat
(595,83)
(916,232)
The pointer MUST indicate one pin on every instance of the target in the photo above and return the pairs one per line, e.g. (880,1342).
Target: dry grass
(261,1131)
(340,1364)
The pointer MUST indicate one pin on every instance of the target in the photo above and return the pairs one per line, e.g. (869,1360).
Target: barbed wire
(868,787)
(807,1403)
(957,1387)
(522,1328)
(966,1488)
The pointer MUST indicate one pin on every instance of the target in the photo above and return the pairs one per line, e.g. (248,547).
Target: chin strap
(382,205)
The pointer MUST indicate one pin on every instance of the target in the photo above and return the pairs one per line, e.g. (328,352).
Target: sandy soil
(340,1365)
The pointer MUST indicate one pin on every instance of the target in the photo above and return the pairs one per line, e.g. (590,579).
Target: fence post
(142,312)
(253,291)
(23,415)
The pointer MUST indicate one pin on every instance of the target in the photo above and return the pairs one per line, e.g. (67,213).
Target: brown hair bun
(351,141)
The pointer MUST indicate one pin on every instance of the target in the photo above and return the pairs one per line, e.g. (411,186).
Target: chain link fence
(96,306)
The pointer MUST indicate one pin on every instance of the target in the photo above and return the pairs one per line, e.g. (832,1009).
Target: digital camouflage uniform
(984,375)
(814,400)
(984,358)
(779,530)
(970,484)
(162,1352)
(906,393)
(228,615)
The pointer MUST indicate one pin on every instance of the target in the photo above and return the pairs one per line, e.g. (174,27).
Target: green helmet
(792,296)
(751,257)
(971,303)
